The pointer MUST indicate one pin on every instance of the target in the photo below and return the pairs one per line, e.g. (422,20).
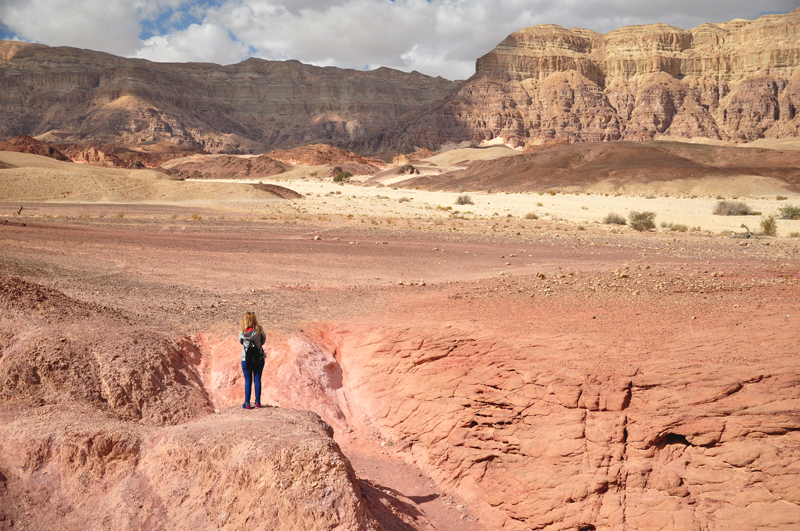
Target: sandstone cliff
(737,81)
(81,96)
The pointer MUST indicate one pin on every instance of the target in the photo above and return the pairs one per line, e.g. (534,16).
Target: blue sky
(436,37)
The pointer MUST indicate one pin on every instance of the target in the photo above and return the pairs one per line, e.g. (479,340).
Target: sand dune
(35,178)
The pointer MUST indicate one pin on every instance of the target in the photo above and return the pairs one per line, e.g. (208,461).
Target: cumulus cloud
(108,25)
(436,37)
(197,43)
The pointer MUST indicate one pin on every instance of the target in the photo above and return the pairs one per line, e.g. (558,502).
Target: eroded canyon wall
(736,81)
(81,96)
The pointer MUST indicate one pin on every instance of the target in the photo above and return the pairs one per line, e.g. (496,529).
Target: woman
(252,335)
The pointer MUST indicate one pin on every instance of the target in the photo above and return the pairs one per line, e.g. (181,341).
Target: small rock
(316,238)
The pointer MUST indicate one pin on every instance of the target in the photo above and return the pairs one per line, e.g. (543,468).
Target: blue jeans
(251,377)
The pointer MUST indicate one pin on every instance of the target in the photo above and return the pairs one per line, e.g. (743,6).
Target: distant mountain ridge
(71,95)
(735,81)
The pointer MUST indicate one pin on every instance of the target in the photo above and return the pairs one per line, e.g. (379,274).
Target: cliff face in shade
(81,96)
(736,81)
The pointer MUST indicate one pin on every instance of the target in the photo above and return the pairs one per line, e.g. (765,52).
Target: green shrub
(342,177)
(614,219)
(769,226)
(642,221)
(790,212)
(732,208)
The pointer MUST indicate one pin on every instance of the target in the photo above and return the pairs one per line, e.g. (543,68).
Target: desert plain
(510,362)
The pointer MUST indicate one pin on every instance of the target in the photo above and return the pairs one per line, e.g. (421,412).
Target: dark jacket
(251,336)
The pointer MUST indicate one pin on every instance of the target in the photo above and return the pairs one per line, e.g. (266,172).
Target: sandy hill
(648,164)
(37,178)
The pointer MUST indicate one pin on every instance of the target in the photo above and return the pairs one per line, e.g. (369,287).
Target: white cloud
(108,25)
(440,37)
(197,43)
(111,26)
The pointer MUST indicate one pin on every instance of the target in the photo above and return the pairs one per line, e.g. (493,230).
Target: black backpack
(252,355)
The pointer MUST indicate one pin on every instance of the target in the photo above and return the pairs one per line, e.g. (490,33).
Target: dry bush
(769,226)
(531,215)
(614,219)
(642,221)
(790,212)
(781,198)
(732,208)
(678,227)
(404,200)
(464,200)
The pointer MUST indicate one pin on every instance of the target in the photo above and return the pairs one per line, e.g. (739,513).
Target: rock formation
(618,164)
(94,156)
(541,442)
(408,158)
(320,155)
(95,431)
(227,167)
(736,81)
(80,96)
(27,144)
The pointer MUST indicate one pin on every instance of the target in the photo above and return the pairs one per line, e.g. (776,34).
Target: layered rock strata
(736,81)
(81,96)
(537,440)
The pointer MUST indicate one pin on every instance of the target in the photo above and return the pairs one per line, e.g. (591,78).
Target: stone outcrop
(320,155)
(734,81)
(408,158)
(227,167)
(536,441)
(27,144)
(94,156)
(106,424)
(81,96)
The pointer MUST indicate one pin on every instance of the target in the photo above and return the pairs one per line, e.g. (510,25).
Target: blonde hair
(250,321)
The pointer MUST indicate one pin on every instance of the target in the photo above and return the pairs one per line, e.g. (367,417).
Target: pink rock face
(543,441)
(106,422)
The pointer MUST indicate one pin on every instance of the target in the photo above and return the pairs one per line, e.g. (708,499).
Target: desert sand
(430,365)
